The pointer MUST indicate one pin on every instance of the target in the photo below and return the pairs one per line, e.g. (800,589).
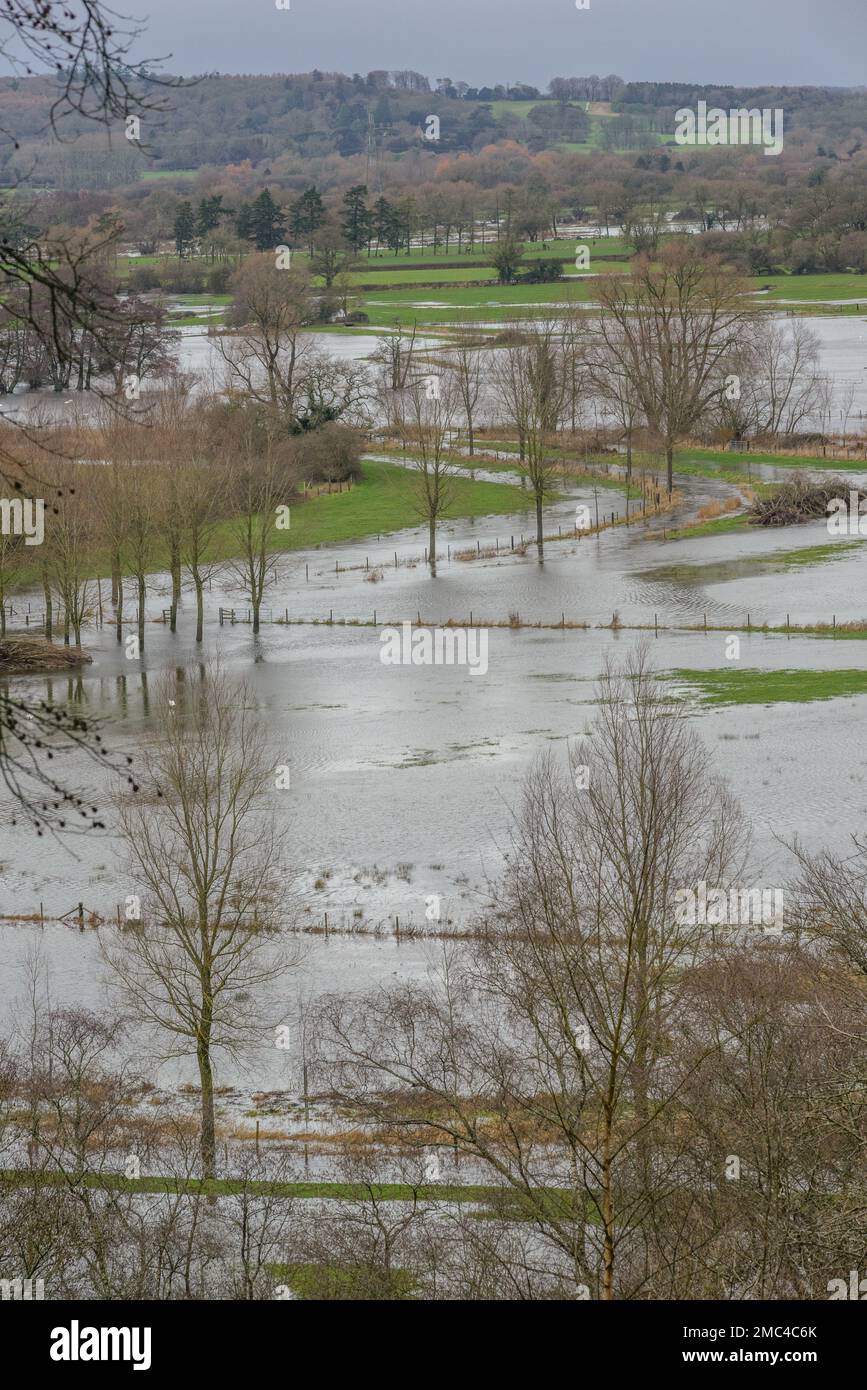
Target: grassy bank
(717,526)
(810,288)
(749,686)
(729,459)
(384,500)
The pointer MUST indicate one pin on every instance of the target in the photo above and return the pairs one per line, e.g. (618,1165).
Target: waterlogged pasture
(404,777)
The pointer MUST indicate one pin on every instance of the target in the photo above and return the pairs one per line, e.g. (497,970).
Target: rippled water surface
(404,780)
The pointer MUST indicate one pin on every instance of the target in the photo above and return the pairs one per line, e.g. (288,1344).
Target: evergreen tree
(307,215)
(356,223)
(266,222)
(386,224)
(244,223)
(209,212)
(185,228)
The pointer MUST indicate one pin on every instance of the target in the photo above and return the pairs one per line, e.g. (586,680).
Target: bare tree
(86,51)
(259,490)
(466,361)
(666,331)
(201,491)
(69,556)
(111,510)
(427,411)
(774,1112)
(142,516)
(531,385)
(772,381)
(643,226)
(394,354)
(270,308)
(546,1055)
(205,851)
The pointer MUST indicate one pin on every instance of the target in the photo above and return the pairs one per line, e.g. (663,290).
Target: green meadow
(384,500)
(815,287)
(750,686)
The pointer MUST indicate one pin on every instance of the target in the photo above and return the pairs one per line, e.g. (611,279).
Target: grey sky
(820,42)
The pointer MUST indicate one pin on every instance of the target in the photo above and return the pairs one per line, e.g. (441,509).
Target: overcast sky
(489,41)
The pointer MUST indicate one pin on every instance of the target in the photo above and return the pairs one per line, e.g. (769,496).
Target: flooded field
(404,780)
(842,347)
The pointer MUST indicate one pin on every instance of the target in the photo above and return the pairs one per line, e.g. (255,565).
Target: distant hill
(217,119)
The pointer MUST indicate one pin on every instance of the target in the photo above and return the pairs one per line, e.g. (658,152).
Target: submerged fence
(344,922)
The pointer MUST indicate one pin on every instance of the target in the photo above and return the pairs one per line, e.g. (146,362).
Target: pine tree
(209,212)
(266,222)
(386,224)
(356,224)
(185,228)
(244,223)
(307,215)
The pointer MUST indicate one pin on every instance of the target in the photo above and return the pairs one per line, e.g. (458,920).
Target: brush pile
(799,499)
(22,655)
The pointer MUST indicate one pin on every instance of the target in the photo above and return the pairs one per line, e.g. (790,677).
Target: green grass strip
(751,686)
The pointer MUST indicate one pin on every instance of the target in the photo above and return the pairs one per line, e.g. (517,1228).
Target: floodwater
(405,779)
(842,357)
(197,354)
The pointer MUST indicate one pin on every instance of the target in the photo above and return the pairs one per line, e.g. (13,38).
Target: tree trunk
(539,527)
(176,585)
(208,1146)
(607,1212)
(46,594)
(669,466)
(200,605)
(432,546)
(141,613)
(257,603)
(118,612)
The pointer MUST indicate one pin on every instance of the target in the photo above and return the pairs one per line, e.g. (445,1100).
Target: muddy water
(404,779)
(196,353)
(842,357)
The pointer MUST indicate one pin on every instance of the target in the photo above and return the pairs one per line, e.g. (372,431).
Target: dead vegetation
(711,510)
(20,655)
(799,499)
